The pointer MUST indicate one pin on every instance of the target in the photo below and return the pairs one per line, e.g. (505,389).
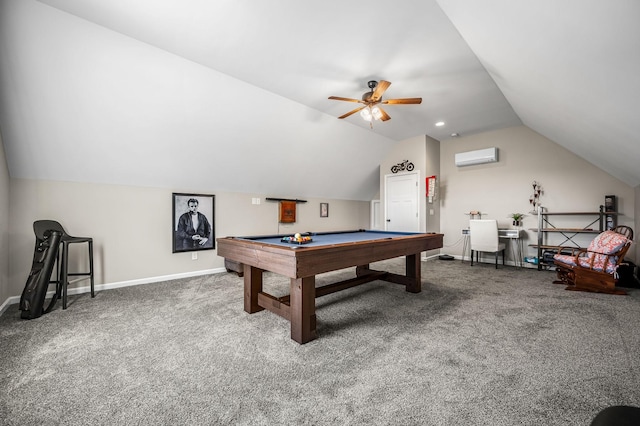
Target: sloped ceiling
(233,94)
(568,68)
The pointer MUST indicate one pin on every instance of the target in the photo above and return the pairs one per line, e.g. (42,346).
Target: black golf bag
(35,291)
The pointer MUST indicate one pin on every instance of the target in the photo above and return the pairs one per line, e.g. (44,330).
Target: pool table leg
(303,309)
(414,273)
(252,287)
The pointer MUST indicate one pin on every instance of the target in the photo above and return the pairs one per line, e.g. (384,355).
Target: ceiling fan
(371,99)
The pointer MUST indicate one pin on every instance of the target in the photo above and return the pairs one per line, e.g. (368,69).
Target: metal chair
(484,238)
(62,268)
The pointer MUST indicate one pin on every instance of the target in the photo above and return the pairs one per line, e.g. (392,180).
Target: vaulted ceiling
(232,94)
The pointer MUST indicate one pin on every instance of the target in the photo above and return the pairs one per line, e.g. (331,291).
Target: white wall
(132,226)
(636,227)
(432,213)
(414,150)
(4,226)
(76,96)
(498,189)
(424,153)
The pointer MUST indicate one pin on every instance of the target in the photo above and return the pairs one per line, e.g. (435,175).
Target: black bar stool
(62,268)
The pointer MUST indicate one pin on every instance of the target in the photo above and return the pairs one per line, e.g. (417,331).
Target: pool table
(328,251)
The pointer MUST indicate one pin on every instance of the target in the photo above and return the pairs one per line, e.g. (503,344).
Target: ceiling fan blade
(352,112)
(384,116)
(380,89)
(338,98)
(404,101)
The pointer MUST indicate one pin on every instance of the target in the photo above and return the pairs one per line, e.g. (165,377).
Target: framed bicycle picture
(193,222)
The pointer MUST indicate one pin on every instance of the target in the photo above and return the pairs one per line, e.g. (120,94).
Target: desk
(329,251)
(512,235)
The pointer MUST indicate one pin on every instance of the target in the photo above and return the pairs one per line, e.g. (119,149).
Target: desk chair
(483,236)
(62,268)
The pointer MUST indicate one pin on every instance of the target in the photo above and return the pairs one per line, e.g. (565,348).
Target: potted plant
(517,218)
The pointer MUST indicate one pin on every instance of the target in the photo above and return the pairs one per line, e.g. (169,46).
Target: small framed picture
(193,222)
(324,209)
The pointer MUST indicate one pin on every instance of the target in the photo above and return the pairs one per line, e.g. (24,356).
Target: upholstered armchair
(595,268)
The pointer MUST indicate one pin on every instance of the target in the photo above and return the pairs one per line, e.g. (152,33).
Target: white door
(402,202)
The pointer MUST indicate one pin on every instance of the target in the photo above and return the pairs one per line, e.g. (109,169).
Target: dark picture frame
(185,237)
(324,209)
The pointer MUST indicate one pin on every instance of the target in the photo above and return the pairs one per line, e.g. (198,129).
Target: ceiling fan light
(376,113)
(366,114)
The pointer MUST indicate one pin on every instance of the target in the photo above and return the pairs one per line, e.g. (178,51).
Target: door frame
(376,213)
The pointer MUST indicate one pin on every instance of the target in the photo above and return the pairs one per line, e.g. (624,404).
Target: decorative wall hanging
(400,167)
(193,222)
(432,187)
(287,211)
(534,199)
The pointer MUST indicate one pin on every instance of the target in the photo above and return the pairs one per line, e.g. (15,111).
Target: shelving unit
(545,227)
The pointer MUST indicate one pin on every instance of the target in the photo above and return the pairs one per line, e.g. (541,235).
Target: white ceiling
(217,92)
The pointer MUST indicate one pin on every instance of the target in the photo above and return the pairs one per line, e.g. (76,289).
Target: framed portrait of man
(193,222)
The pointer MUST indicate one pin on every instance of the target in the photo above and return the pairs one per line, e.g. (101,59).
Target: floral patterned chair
(595,268)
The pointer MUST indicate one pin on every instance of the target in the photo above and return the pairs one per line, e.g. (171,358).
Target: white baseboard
(433,256)
(98,287)
(466,259)
(86,289)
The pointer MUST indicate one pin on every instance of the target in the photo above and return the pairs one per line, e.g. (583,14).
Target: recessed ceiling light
(440,123)
(454,135)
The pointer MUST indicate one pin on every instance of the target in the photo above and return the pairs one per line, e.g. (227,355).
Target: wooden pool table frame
(302,264)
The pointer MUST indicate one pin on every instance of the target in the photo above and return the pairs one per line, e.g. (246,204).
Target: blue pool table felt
(323,239)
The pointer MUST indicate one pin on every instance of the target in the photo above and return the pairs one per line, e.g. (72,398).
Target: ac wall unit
(487,155)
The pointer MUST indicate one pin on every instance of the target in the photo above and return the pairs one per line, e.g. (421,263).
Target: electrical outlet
(194,255)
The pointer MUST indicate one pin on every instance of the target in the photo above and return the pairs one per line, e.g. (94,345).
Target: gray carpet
(476,347)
